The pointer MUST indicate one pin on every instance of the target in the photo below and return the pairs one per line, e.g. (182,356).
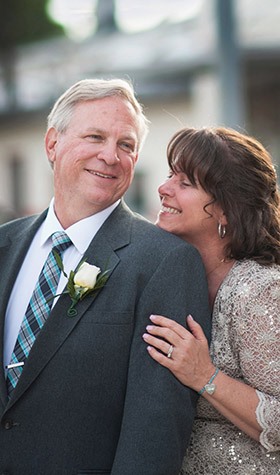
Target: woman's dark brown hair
(237,171)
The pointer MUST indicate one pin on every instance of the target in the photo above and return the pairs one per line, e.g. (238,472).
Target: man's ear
(50,144)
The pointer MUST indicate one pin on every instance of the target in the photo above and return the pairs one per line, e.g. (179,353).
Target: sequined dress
(246,346)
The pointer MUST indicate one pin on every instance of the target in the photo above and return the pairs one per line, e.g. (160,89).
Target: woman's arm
(191,364)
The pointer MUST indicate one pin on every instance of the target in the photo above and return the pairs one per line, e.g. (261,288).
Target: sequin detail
(245,345)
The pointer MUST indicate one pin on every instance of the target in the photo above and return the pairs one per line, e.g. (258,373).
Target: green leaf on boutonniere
(70,284)
(59,262)
(100,282)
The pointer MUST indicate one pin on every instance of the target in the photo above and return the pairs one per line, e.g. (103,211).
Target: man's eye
(127,146)
(94,137)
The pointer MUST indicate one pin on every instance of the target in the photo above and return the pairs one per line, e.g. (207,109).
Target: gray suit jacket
(90,399)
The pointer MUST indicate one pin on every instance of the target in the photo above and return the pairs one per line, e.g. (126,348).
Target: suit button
(7,424)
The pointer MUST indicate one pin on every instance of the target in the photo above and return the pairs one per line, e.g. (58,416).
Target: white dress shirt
(80,233)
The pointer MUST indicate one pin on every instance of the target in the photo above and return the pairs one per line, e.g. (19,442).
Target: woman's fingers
(172,325)
(158,343)
(171,330)
(196,329)
(183,351)
(165,334)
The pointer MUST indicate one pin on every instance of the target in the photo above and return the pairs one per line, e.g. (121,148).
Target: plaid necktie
(38,309)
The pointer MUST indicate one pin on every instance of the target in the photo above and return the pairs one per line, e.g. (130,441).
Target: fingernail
(149,327)
(153,317)
(189,317)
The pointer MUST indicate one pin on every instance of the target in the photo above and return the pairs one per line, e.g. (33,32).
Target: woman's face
(183,212)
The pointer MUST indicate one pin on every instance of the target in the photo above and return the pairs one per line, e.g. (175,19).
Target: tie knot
(60,241)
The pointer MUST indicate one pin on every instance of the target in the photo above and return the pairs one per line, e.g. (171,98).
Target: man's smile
(101,175)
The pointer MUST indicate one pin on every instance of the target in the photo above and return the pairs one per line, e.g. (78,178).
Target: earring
(222,230)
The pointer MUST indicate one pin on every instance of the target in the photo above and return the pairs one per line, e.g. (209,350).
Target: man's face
(93,160)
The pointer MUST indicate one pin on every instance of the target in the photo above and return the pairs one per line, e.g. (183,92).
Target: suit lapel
(114,234)
(13,249)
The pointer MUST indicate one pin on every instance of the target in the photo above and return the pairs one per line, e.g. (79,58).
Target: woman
(222,197)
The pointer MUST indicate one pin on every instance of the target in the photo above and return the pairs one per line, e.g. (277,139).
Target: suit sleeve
(159,411)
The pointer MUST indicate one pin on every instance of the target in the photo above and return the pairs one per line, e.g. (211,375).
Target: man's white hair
(92,89)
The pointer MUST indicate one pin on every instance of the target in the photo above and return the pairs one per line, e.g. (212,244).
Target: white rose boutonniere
(86,280)
(85,277)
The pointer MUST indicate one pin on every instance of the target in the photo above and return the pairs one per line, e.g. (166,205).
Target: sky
(78,18)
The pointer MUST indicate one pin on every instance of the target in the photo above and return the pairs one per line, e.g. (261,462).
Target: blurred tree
(21,22)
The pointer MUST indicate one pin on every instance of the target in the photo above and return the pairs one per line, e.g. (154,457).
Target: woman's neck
(215,278)
(216,267)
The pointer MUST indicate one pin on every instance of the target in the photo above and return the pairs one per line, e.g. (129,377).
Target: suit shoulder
(150,234)
(17,223)
(17,226)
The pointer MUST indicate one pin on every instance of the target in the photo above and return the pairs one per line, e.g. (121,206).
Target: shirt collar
(80,233)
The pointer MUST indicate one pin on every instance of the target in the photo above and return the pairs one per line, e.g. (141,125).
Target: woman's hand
(189,360)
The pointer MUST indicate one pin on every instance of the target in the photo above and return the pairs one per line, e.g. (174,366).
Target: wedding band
(170,351)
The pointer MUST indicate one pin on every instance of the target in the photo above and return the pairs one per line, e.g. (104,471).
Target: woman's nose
(165,189)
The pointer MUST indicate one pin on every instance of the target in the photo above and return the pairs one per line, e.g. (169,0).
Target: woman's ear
(223,219)
(50,144)
(220,215)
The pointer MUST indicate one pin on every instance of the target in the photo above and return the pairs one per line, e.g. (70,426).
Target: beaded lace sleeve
(257,342)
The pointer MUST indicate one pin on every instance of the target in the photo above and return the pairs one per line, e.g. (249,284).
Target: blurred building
(180,73)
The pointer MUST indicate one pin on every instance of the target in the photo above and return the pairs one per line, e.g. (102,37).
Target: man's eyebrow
(131,137)
(95,130)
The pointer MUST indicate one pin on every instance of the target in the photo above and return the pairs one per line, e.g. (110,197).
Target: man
(85,397)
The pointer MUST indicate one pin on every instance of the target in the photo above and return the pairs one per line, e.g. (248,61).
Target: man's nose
(108,153)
